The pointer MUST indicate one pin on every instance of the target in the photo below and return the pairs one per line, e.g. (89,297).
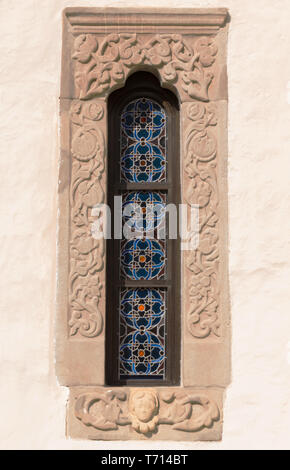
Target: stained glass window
(142,333)
(143,250)
(143,259)
(143,255)
(143,264)
(144,213)
(143,142)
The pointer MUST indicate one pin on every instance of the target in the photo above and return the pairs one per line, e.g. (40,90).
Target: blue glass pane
(144,214)
(143,142)
(143,247)
(142,333)
(143,259)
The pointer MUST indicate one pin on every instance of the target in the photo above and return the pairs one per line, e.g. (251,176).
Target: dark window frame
(144,84)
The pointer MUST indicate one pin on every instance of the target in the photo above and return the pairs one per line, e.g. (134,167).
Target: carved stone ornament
(102,65)
(86,253)
(141,412)
(145,410)
(203,317)
(186,51)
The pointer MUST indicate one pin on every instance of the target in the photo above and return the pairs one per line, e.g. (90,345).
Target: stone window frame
(186,50)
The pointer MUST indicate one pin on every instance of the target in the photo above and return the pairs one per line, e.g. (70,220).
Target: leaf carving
(146,409)
(201,150)
(86,253)
(99,67)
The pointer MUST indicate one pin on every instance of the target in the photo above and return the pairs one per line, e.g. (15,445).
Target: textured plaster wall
(257,411)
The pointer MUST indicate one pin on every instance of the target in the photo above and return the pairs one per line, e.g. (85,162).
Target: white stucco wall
(257,410)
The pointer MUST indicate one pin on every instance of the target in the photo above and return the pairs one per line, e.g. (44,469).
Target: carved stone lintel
(102,65)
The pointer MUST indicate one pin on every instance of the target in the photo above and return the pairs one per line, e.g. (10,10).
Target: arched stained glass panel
(143,327)
(143,142)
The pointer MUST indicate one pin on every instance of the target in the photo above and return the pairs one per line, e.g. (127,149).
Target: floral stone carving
(146,409)
(202,263)
(103,65)
(86,253)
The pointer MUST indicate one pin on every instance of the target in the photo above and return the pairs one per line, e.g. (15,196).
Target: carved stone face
(144,405)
